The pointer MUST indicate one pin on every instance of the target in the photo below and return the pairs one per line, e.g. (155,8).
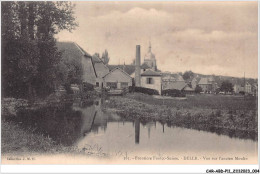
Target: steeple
(149,58)
(149,54)
(124,66)
(150,47)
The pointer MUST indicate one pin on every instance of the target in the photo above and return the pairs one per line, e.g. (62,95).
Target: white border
(131,168)
(119,168)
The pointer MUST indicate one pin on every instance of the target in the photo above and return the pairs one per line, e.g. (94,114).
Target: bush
(242,92)
(87,87)
(131,89)
(198,89)
(143,90)
(68,89)
(173,93)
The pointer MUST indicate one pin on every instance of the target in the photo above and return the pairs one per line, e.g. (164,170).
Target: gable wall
(118,76)
(88,71)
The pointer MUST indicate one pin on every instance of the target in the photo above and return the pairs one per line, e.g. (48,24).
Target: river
(86,125)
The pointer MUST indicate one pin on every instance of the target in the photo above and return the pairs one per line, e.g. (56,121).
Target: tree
(105,58)
(29,54)
(188,75)
(48,67)
(226,86)
(20,55)
(53,17)
(20,68)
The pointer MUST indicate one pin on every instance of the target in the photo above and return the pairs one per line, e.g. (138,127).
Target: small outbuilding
(117,79)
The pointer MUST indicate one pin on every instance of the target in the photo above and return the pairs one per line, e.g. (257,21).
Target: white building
(152,79)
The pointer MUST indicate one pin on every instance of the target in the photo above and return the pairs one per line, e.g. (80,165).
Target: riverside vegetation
(49,126)
(235,116)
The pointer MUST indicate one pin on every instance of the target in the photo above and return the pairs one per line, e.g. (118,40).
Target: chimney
(137,66)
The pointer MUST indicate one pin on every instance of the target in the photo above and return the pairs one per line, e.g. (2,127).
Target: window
(112,85)
(149,80)
(124,84)
(97,84)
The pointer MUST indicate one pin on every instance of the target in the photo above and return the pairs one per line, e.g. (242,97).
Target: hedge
(173,93)
(143,90)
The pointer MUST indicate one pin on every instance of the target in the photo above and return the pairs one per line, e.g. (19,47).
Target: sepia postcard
(129,82)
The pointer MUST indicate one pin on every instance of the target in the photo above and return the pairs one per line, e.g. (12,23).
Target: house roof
(96,59)
(247,83)
(144,66)
(187,88)
(150,72)
(129,69)
(168,77)
(239,85)
(71,50)
(118,69)
(177,76)
(179,85)
(196,79)
(205,81)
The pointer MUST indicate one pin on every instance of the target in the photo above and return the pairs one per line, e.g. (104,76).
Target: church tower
(149,58)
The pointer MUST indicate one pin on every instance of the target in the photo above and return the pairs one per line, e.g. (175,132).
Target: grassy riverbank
(203,112)
(25,141)
(15,139)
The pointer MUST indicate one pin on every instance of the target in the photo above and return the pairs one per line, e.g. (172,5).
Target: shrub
(198,89)
(242,92)
(173,93)
(143,90)
(68,89)
(87,87)
(131,89)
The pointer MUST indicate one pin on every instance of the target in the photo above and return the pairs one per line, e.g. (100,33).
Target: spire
(150,47)
(124,65)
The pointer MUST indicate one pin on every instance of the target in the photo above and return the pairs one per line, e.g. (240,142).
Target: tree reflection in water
(66,123)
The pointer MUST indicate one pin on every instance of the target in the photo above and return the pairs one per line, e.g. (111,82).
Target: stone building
(248,88)
(207,84)
(238,88)
(152,79)
(117,79)
(73,53)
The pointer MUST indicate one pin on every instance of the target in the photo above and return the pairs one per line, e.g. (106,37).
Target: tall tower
(137,66)
(149,58)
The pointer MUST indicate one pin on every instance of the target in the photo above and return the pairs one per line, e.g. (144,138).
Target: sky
(205,37)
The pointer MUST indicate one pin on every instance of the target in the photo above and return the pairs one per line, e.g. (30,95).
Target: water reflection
(81,123)
(137,131)
(93,118)
(58,122)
